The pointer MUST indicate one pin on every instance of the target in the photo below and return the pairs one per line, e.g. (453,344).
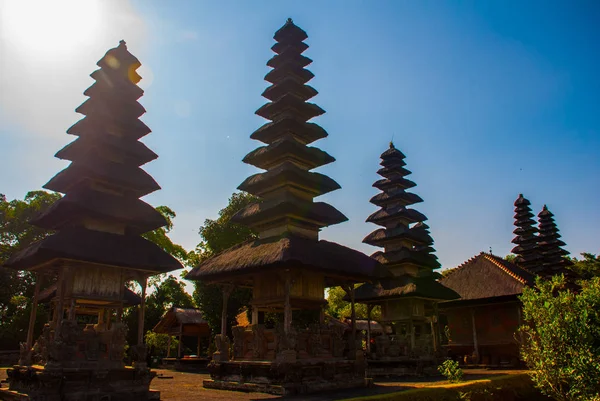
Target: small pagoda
(96,248)
(287,267)
(526,239)
(553,256)
(409,298)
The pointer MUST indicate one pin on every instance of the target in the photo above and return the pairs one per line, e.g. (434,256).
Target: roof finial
(290,21)
(392,142)
(491,253)
(545,207)
(122,43)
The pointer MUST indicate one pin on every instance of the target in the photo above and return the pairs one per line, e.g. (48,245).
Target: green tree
(562,338)
(17,287)
(588,266)
(510,258)
(340,309)
(218,235)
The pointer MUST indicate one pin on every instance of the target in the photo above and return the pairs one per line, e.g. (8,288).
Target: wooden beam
(227,290)
(32,315)
(287,311)
(180,340)
(475,345)
(369,310)
(142,309)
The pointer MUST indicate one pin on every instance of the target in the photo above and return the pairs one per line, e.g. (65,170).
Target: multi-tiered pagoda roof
(553,256)
(408,246)
(100,216)
(526,238)
(287,218)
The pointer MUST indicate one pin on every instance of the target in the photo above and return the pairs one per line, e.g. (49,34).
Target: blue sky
(486,99)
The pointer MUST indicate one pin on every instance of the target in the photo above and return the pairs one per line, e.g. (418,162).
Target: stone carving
(338,341)
(238,341)
(316,346)
(24,355)
(139,356)
(258,337)
(222,344)
(382,343)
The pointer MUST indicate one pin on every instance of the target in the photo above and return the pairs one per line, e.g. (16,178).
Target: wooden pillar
(411,328)
(169,346)
(72,307)
(199,347)
(353,317)
(180,341)
(141,312)
(119,316)
(322,316)
(101,316)
(60,298)
(369,310)
(287,311)
(475,345)
(32,315)
(254,315)
(227,289)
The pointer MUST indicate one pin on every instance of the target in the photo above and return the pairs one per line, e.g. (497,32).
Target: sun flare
(50,28)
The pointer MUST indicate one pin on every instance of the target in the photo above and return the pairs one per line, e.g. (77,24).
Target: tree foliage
(586,267)
(340,309)
(562,338)
(218,235)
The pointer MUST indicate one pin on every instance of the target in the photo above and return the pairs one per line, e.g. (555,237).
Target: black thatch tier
(502,278)
(289,85)
(290,33)
(407,256)
(525,231)
(395,196)
(305,132)
(288,148)
(396,213)
(316,214)
(404,287)
(118,108)
(106,86)
(132,129)
(133,152)
(337,262)
(119,59)
(391,172)
(137,215)
(289,70)
(289,105)
(130,178)
(298,47)
(130,298)
(289,55)
(386,184)
(382,236)
(288,174)
(393,162)
(82,245)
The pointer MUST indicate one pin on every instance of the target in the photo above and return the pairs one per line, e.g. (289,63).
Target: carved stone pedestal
(78,384)
(285,378)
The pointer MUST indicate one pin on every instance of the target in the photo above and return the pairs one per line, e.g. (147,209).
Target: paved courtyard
(188,387)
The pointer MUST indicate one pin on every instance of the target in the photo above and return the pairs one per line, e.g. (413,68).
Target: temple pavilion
(96,248)
(288,266)
(408,298)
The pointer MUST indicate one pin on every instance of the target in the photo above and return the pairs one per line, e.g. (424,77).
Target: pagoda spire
(288,187)
(104,181)
(526,236)
(408,246)
(550,245)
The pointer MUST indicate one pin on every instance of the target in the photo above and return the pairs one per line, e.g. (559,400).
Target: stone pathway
(188,387)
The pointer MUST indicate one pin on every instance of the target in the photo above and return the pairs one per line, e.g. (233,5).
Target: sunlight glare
(50,28)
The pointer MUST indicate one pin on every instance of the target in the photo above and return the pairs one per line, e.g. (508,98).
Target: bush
(562,339)
(451,371)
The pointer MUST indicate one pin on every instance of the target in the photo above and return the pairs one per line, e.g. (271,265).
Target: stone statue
(238,341)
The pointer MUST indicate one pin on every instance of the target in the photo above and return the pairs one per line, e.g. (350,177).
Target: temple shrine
(553,256)
(288,267)
(409,298)
(526,239)
(95,250)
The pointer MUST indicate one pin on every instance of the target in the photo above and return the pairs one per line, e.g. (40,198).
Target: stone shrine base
(35,383)
(285,378)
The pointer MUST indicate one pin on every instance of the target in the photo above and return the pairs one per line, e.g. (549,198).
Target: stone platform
(286,378)
(34,383)
(401,367)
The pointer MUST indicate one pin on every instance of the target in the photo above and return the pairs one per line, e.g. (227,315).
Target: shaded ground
(188,387)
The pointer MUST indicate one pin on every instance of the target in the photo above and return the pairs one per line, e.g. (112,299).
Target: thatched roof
(402,287)
(332,259)
(488,276)
(91,246)
(179,316)
(130,298)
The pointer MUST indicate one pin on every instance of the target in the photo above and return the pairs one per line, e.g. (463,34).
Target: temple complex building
(526,240)
(409,297)
(481,326)
(288,267)
(96,248)
(553,256)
